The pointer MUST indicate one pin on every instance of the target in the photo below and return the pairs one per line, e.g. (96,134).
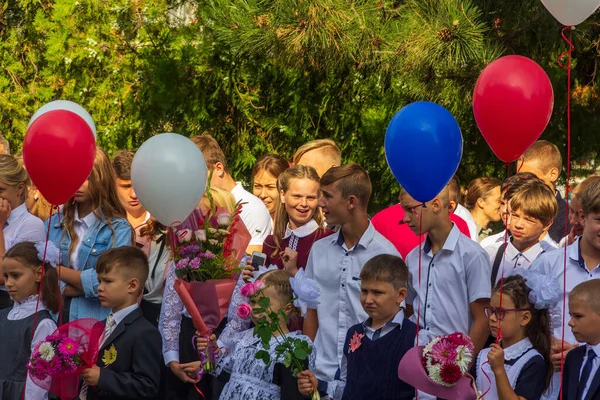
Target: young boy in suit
(369,368)
(130,363)
(581,380)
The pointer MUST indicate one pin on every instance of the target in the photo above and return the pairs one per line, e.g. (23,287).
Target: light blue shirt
(337,271)
(595,365)
(456,276)
(385,329)
(513,258)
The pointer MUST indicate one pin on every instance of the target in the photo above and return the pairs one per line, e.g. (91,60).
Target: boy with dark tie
(581,380)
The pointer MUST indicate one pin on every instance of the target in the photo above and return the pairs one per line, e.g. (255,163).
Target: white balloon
(169,176)
(68,106)
(571,12)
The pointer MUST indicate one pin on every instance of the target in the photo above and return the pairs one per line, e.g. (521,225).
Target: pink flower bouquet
(444,364)
(57,361)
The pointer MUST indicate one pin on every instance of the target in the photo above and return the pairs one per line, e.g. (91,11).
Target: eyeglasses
(500,312)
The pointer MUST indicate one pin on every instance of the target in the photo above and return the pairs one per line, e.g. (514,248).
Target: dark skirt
(210,386)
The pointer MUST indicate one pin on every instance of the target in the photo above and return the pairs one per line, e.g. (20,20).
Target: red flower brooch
(356,341)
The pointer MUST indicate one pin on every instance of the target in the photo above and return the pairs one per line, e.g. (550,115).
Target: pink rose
(248,290)
(184,236)
(200,235)
(259,285)
(244,310)
(223,219)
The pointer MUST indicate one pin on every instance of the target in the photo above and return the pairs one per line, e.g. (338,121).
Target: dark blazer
(136,371)
(573,364)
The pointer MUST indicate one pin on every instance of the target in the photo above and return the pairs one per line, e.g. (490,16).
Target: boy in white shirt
(531,212)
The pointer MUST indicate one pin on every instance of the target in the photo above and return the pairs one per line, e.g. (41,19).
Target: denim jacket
(98,239)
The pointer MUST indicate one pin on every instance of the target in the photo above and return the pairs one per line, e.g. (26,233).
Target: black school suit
(573,364)
(136,372)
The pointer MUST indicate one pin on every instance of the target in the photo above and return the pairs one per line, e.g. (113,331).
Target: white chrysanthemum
(463,358)
(46,351)
(435,373)
(430,345)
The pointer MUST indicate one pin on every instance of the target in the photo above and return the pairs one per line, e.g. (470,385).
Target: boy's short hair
(513,183)
(327,147)
(350,179)
(454,190)
(386,268)
(128,260)
(590,198)
(588,292)
(584,184)
(543,153)
(211,150)
(535,199)
(121,162)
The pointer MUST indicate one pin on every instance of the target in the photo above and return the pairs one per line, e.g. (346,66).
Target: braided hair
(279,279)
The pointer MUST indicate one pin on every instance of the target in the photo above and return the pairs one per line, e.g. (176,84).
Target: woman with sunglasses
(518,365)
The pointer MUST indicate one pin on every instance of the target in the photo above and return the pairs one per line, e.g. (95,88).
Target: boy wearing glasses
(531,211)
(582,264)
(452,288)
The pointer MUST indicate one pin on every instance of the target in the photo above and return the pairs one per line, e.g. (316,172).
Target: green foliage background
(268,75)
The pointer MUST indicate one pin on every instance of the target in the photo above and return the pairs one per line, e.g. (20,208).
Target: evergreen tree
(266,76)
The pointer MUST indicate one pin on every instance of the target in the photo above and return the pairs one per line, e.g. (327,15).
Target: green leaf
(300,354)
(263,355)
(264,302)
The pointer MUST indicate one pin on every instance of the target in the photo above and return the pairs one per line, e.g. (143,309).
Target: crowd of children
(388,283)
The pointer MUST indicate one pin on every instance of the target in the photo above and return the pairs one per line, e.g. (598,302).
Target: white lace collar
(302,231)
(517,350)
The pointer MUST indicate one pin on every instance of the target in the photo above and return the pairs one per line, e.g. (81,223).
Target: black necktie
(585,374)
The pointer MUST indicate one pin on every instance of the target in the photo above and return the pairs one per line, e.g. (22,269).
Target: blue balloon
(423,147)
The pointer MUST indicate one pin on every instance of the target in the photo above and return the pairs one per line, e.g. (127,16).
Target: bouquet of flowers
(447,358)
(57,361)
(292,351)
(444,364)
(207,251)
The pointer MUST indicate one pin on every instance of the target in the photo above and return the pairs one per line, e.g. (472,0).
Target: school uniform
(552,264)
(457,275)
(505,261)
(300,240)
(581,380)
(371,370)
(130,361)
(336,268)
(525,369)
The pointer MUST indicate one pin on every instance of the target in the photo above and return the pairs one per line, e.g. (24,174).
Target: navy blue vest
(373,367)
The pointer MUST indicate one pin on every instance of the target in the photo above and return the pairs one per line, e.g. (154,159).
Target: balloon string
(39,295)
(500,290)
(420,289)
(569,53)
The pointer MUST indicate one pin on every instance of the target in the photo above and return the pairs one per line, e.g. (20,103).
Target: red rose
(450,373)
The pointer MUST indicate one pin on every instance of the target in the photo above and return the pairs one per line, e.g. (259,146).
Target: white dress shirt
(120,315)
(466,215)
(255,215)
(453,278)
(512,258)
(81,227)
(337,271)
(43,329)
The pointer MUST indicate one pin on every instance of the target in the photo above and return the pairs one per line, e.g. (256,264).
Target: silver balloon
(169,176)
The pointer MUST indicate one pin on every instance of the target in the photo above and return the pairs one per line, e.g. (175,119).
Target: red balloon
(59,151)
(512,103)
